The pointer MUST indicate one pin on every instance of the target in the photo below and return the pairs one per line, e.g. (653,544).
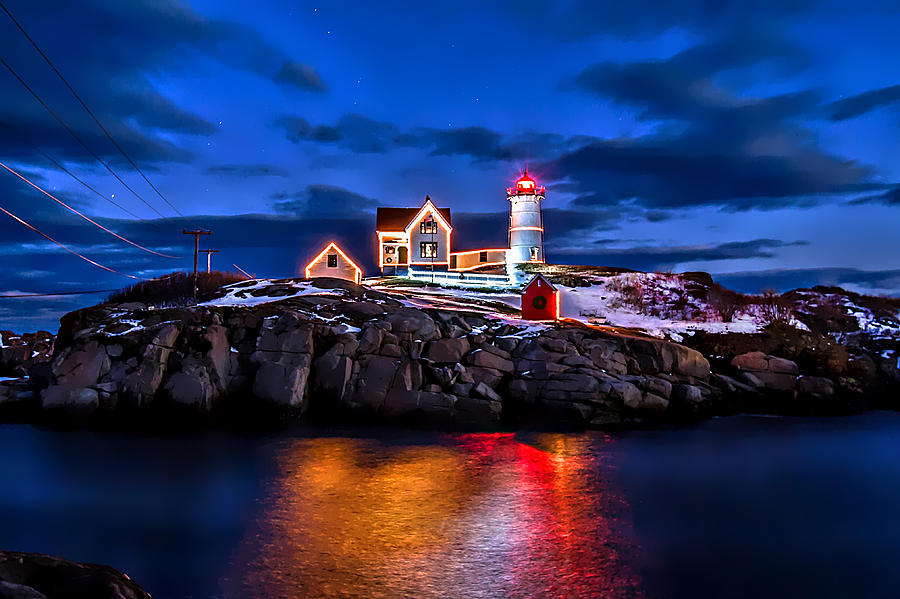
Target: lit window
(428,226)
(389,249)
(535,253)
(332,260)
(428,249)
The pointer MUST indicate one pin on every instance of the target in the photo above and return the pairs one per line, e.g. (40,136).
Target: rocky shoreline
(344,353)
(38,576)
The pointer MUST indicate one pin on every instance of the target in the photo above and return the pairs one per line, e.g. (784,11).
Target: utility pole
(196,233)
(208,253)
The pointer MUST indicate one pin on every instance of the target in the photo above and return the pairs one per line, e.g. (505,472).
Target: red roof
(524,178)
(396,219)
(542,278)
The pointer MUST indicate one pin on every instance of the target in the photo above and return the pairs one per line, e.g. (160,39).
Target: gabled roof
(396,219)
(343,254)
(542,278)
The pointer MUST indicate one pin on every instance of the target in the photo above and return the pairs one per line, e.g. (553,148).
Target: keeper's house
(416,242)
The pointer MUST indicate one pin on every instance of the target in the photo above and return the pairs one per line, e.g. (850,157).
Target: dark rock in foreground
(37,576)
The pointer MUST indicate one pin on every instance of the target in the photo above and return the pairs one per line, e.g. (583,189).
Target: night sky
(757,141)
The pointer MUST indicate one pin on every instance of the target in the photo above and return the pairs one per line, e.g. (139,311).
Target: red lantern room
(540,300)
(525,184)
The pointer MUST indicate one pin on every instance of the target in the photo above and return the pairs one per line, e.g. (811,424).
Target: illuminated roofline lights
(478,251)
(332,244)
(541,229)
(428,206)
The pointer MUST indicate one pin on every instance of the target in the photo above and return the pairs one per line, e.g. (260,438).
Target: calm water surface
(734,507)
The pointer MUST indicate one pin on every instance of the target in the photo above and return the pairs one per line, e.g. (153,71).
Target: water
(734,507)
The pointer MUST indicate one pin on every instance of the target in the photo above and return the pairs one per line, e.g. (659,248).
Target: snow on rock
(608,299)
(262,291)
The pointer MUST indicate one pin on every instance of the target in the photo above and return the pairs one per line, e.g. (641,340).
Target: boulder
(766,372)
(487,359)
(374,380)
(567,386)
(331,375)
(815,386)
(219,353)
(447,351)
(81,367)
(370,340)
(755,361)
(9,590)
(462,389)
(391,350)
(625,392)
(648,402)
(33,576)
(480,374)
(469,412)
(656,355)
(485,392)
(284,354)
(413,324)
(143,383)
(191,387)
(283,384)
(81,402)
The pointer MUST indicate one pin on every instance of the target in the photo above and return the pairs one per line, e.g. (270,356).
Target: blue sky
(756,141)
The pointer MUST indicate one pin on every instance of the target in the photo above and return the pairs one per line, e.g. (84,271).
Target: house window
(428,249)
(535,253)
(332,260)
(389,249)
(482,257)
(428,226)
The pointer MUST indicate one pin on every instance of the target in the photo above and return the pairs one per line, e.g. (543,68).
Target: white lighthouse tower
(526,224)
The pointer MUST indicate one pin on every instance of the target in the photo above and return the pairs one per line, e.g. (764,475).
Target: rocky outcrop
(36,576)
(357,353)
(766,372)
(353,353)
(19,354)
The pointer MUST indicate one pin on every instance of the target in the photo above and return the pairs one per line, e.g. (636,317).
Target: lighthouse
(526,224)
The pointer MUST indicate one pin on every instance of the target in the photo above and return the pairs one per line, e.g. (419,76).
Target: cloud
(668,257)
(354,132)
(361,135)
(891,197)
(860,104)
(684,86)
(122,48)
(301,76)
(322,201)
(580,19)
(715,146)
(248,170)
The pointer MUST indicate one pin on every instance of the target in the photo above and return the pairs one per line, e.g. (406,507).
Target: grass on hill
(175,289)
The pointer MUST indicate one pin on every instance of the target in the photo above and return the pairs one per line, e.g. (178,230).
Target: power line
(78,139)
(68,172)
(88,219)
(71,251)
(83,105)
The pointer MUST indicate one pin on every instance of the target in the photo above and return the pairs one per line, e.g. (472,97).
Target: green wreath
(540,302)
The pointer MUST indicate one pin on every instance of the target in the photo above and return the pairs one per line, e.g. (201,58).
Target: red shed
(540,300)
